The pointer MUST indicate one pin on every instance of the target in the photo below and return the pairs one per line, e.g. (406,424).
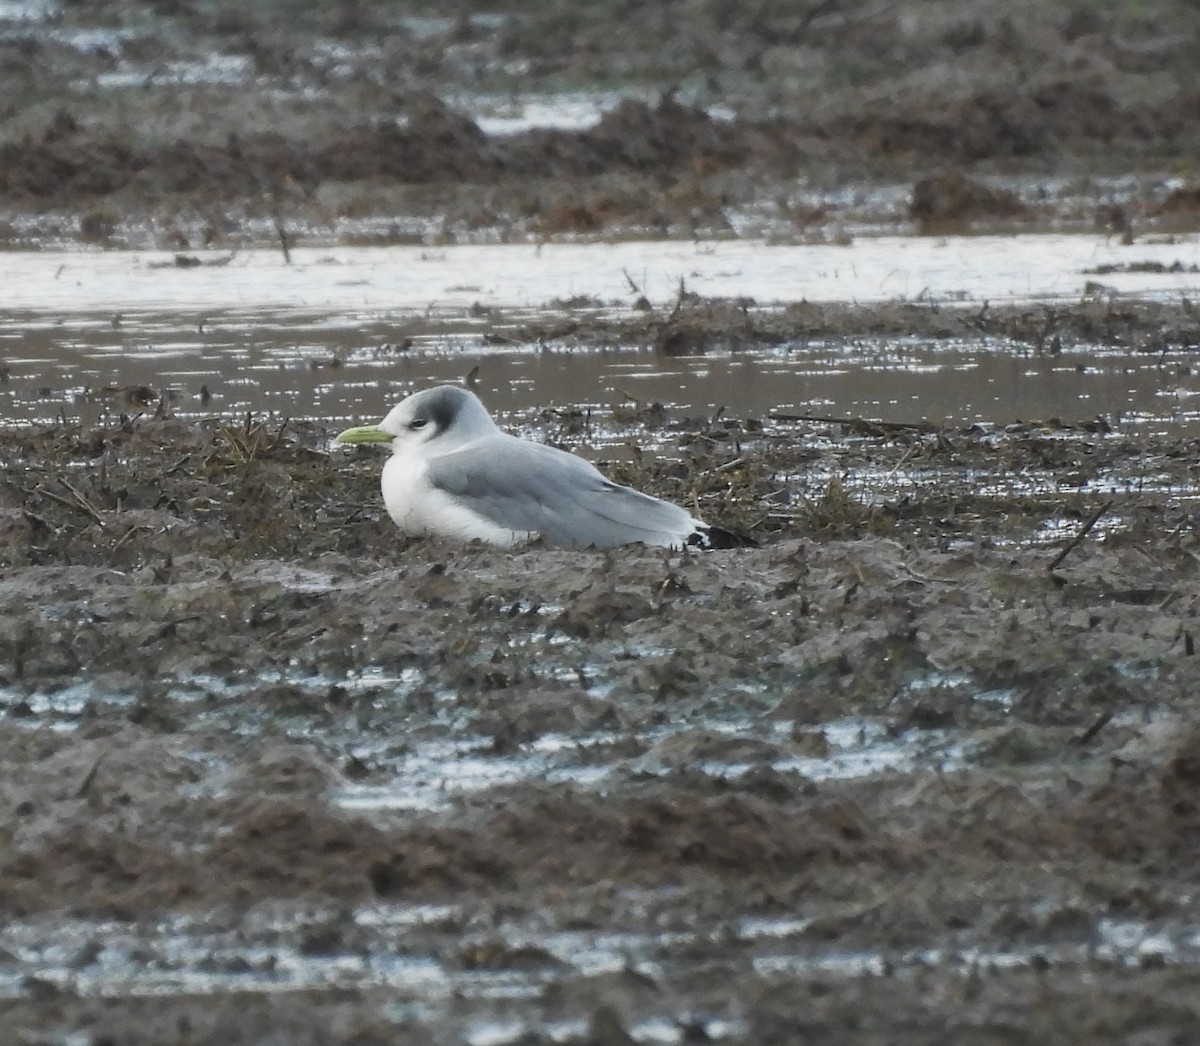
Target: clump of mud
(952,201)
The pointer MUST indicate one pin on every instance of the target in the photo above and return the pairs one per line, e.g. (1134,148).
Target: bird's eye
(417,423)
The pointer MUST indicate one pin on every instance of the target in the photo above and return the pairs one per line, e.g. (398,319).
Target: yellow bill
(364,434)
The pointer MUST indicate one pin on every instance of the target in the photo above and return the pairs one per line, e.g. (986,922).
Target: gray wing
(534,489)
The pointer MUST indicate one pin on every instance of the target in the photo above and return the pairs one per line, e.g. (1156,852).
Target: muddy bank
(183,126)
(923,761)
(663,169)
(695,325)
(136,489)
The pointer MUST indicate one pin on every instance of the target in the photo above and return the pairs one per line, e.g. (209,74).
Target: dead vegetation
(737,115)
(149,487)
(693,325)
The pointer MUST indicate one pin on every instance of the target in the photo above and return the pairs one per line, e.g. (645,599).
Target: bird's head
(446,413)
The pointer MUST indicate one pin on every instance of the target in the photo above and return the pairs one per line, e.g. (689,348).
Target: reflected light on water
(343,333)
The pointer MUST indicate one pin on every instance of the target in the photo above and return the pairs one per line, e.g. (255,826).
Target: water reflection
(343,370)
(356,280)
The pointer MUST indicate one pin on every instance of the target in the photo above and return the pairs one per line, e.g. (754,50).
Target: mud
(182,126)
(920,761)
(920,767)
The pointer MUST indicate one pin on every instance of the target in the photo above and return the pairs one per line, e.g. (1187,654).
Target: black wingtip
(715,537)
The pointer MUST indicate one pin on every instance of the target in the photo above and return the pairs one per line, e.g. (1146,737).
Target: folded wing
(538,490)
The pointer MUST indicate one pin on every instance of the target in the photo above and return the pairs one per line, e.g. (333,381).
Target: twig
(903,458)
(86,505)
(39,489)
(125,537)
(177,466)
(814,12)
(79,504)
(730,465)
(679,299)
(886,426)
(1101,722)
(85,785)
(281,232)
(1083,532)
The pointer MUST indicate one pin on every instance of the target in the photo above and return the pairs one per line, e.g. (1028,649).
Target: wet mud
(922,766)
(184,126)
(925,759)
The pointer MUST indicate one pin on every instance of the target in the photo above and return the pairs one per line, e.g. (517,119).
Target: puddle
(684,1028)
(434,774)
(566,111)
(1119,943)
(417,953)
(218,69)
(27,10)
(441,762)
(341,374)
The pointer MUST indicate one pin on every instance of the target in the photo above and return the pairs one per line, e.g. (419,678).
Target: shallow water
(414,951)
(342,333)
(400,278)
(434,774)
(344,371)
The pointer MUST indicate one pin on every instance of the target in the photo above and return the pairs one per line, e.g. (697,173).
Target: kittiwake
(455,474)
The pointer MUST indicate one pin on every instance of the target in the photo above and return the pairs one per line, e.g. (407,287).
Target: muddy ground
(212,123)
(224,674)
(922,767)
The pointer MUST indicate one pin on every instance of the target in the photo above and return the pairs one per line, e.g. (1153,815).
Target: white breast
(418,509)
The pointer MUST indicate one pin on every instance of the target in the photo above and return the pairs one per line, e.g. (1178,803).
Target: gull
(455,474)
